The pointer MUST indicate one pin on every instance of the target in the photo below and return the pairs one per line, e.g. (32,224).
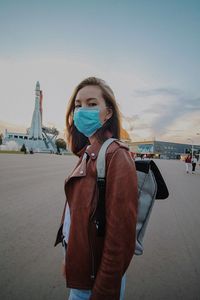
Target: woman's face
(90,96)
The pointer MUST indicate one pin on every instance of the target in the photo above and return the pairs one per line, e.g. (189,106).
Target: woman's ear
(109,113)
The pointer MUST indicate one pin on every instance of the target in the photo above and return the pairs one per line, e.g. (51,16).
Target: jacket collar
(93,150)
(82,151)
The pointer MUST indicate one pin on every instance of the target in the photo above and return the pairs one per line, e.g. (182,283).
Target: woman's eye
(77,106)
(92,104)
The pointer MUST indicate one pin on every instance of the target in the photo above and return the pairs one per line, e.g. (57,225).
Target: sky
(147,51)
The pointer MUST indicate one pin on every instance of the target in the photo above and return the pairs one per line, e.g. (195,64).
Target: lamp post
(192,145)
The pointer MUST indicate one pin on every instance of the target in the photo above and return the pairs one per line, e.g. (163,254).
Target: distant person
(188,161)
(23,149)
(96,260)
(194,163)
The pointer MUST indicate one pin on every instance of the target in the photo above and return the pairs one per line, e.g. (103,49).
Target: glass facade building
(166,150)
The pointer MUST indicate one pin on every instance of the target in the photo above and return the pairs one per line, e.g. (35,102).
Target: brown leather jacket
(94,262)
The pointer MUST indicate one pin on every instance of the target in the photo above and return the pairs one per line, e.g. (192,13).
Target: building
(38,137)
(166,150)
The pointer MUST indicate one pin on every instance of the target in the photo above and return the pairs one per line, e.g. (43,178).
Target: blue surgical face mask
(87,120)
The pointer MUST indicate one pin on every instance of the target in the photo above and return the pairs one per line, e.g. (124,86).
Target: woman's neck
(92,139)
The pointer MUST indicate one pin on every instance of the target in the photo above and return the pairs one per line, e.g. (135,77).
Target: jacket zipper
(91,248)
(92,276)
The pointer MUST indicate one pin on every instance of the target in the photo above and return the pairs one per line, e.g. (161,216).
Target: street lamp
(192,146)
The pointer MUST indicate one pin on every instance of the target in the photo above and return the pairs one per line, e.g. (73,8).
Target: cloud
(147,112)
(184,128)
(177,110)
(11,127)
(133,123)
(168,106)
(156,92)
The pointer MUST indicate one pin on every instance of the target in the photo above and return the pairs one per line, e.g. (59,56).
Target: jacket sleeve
(121,214)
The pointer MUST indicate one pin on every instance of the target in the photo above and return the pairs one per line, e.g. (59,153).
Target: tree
(60,143)
(188,151)
(1,138)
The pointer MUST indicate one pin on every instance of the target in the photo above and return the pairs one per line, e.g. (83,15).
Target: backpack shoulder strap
(99,216)
(101,161)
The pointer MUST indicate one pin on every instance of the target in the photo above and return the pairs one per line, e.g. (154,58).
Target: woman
(95,265)
(188,162)
(194,163)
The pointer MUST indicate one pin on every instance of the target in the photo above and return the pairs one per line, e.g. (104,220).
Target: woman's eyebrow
(93,98)
(88,99)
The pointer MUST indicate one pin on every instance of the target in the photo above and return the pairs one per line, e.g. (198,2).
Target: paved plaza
(31,202)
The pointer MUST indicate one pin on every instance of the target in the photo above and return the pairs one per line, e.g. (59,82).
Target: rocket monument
(36,124)
(38,137)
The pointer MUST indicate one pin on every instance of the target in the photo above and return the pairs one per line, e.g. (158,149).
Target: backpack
(151,186)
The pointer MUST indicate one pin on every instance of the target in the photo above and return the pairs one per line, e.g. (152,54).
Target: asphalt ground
(31,202)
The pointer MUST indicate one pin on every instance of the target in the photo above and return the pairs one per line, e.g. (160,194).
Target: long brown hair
(76,139)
